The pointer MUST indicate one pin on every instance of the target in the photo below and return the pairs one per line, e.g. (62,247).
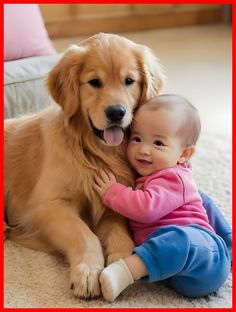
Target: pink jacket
(167,197)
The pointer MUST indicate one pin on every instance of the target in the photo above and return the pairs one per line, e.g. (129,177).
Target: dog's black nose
(115,112)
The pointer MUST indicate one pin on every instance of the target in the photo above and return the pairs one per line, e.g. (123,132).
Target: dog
(51,156)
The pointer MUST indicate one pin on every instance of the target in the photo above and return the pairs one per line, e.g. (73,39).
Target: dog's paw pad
(84,281)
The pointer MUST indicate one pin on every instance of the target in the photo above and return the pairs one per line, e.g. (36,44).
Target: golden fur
(51,157)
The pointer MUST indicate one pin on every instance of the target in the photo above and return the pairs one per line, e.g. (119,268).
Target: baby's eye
(158,143)
(136,139)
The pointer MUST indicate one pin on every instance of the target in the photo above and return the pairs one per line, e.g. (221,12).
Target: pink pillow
(24,32)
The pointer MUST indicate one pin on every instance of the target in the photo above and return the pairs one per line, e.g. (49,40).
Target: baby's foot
(114,279)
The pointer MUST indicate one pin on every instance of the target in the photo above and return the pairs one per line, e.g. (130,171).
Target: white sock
(114,279)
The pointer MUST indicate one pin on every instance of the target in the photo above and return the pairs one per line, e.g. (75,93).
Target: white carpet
(37,280)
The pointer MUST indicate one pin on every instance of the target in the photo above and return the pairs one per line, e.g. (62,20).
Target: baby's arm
(157,199)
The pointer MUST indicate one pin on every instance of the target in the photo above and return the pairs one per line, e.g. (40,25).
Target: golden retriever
(51,156)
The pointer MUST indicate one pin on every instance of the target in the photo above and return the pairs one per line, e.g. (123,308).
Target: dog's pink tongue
(113,135)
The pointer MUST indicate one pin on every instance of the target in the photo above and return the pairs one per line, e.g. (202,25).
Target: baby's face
(154,144)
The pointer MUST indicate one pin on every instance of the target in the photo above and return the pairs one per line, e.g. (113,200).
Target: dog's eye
(96,83)
(129,81)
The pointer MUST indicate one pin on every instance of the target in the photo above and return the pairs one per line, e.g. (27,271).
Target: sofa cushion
(24,90)
(24,32)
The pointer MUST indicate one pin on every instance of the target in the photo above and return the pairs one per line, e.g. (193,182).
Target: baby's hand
(104,180)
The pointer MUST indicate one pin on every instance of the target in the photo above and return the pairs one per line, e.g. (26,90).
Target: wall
(63,20)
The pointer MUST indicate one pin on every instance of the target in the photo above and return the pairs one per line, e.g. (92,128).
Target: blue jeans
(190,259)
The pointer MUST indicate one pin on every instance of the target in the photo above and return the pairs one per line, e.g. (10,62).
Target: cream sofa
(24,84)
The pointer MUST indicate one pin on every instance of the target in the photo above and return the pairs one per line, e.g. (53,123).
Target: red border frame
(1,135)
(121,2)
(1,156)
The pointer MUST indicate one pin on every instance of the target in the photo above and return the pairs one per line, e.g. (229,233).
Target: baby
(175,242)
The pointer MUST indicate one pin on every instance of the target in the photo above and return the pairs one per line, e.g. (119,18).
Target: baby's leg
(190,259)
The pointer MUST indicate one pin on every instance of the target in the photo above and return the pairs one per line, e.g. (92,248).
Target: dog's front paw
(84,280)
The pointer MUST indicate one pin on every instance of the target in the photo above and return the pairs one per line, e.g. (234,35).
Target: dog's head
(104,79)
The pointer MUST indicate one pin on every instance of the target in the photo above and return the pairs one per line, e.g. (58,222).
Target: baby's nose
(144,149)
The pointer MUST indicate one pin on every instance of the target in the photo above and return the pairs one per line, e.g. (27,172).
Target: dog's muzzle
(112,135)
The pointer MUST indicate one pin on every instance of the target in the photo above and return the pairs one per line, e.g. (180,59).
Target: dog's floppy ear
(152,73)
(63,80)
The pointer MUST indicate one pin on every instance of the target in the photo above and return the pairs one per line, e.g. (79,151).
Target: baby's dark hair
(190,127)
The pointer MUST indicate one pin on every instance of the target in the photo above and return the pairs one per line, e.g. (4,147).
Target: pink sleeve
(160,196)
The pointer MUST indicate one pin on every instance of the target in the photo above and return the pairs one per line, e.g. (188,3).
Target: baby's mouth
(144,162)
